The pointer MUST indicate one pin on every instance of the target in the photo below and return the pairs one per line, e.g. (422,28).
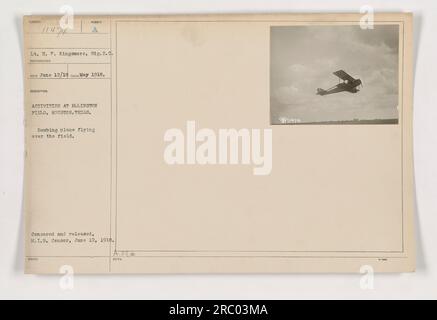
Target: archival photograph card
(268,143)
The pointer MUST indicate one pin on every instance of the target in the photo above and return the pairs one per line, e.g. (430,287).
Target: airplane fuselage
(348,84)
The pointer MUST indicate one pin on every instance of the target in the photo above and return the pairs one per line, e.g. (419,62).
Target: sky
(303,59)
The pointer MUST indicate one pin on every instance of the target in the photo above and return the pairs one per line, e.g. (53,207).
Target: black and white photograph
(342,74)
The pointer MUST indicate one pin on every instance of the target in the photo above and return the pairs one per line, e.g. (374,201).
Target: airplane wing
(343,75)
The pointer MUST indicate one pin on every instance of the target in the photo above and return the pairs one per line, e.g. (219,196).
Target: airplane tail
(320,91)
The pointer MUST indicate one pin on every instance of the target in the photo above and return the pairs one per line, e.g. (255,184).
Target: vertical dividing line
(110,150)
(116,136)
(402,135)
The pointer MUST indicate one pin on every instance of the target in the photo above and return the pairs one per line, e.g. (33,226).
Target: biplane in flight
(348,83)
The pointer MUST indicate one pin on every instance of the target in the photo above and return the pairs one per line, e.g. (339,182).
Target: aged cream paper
(117,108)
